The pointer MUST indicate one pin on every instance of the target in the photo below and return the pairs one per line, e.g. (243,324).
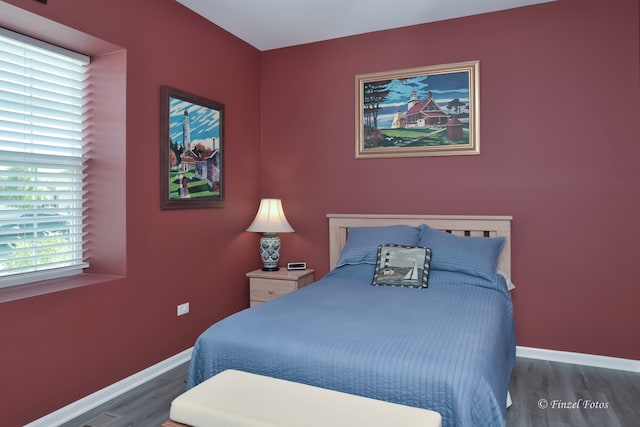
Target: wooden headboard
(460,225)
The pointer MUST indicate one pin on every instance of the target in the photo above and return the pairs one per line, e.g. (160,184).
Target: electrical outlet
(183,309)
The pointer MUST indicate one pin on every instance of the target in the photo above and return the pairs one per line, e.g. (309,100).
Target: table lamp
(269,221)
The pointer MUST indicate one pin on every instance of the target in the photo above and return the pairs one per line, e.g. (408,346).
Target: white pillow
(510,285)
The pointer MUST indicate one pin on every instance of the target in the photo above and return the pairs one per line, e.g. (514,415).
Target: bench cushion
(240,399)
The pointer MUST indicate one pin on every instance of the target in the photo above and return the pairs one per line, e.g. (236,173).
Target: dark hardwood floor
(559,394)
(146,405)
(544,394)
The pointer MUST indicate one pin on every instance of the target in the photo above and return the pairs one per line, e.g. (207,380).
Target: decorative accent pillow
(362,242)
(399,265)
(477,256)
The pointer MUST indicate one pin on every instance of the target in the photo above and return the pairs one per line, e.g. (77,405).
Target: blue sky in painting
(443,87)
(205,122)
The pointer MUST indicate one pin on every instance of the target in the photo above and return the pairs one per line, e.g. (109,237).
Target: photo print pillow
(399,265)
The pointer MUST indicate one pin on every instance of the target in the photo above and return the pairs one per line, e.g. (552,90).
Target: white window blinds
(42,199)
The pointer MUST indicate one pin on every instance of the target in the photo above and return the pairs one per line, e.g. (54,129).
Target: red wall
(60,347)
(560,147)
(559,139)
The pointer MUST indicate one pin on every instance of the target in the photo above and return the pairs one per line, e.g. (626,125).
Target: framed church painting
(425,111)
(191,151)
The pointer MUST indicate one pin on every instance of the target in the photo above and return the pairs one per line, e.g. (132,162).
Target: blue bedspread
(448,348)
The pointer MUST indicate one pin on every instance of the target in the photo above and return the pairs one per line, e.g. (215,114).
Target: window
(42,160)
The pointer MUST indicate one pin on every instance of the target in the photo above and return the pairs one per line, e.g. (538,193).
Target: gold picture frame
(424,111)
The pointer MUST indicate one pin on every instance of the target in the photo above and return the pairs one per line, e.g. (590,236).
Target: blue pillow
(477,256)
(362,242)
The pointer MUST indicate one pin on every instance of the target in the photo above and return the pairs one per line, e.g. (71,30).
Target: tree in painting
(374,95)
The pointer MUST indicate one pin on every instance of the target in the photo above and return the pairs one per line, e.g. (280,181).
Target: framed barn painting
(191,151)
(426,111)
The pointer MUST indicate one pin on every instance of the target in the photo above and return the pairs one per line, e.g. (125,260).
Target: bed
(449,347)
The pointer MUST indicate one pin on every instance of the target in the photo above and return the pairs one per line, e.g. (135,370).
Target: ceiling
(272,24)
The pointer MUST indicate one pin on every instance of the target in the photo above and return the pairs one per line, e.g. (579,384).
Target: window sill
(29,290)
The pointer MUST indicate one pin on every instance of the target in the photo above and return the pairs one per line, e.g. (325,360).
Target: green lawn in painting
(198,188)
(415,137)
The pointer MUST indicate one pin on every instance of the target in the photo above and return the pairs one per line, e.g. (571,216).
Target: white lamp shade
(270,218)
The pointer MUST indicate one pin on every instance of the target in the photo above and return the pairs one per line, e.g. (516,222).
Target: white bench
(240,399)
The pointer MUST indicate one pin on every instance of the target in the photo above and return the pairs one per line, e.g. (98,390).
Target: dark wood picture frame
(191,151)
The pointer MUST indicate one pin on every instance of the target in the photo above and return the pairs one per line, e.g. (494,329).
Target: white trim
(79,407)
(579,359)
(108,393)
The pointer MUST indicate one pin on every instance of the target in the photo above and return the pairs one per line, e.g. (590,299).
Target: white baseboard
(96,399)
(579,359)
(108,393)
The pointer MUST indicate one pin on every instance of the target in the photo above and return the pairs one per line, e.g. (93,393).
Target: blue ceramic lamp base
(270,251)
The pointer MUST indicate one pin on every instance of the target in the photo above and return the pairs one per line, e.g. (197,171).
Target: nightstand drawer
(267,289)
(267,285)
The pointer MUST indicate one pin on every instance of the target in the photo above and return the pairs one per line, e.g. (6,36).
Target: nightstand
(267,285)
